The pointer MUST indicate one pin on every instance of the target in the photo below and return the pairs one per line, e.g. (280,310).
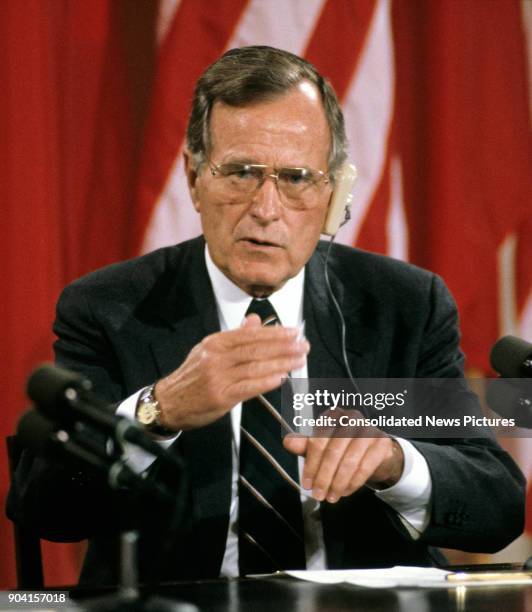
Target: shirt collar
(232,303)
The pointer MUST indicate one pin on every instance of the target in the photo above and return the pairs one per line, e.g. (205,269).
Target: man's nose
(266,205)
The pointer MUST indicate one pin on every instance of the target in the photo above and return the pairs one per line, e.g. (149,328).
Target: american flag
(436,97)
(437,115)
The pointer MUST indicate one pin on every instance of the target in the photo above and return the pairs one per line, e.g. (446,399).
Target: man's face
(259,243)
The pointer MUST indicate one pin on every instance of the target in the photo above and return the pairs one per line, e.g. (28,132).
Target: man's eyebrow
(255,162)
(242,160)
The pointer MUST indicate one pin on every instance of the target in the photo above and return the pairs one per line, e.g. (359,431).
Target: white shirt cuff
(137,458)
(410,496)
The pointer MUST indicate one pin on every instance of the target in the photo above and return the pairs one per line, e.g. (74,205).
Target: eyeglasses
(298,188)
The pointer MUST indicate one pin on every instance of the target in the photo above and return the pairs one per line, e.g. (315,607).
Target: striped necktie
(270,515)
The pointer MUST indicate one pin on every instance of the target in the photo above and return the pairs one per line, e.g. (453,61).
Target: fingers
(324,455)
(266,366)
(346,482)
(252,321)
(260,369)
(337,467)
(269,349)
(251,331)
(295,444)
(242,390)
(226,368)
(250,346)
(252,360)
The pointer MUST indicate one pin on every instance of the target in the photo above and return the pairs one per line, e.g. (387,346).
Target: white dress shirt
(409,497)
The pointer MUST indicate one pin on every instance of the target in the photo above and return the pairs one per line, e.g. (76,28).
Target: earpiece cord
(340,315)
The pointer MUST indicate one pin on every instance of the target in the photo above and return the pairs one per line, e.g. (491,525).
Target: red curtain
(463,130)
(75,78)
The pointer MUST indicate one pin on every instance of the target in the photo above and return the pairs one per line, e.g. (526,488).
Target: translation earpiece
(340,203)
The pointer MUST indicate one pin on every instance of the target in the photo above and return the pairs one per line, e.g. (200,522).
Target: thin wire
(275,464)
(340,315)
(261,499)
(273,411)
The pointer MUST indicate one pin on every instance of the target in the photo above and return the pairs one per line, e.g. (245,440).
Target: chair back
(27,542)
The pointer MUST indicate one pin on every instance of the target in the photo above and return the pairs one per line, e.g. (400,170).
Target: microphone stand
(515,392)
(128,598)
(41,436)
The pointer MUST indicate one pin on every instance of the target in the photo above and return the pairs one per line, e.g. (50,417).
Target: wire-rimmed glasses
(298,188)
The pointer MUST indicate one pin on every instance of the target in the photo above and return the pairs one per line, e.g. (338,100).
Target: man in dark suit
(166,336)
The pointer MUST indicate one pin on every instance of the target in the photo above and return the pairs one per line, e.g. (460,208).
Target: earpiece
(340,204)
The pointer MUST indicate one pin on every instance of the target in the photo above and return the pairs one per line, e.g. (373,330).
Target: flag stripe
(368,108)
(165,17)
(338,40)
(261,24)
(177,71)
(396,222)
(174,218)
(372,236)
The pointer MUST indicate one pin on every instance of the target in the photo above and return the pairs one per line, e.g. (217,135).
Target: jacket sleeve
(478,492)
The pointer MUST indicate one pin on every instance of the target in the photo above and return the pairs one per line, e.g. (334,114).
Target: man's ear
(192,178)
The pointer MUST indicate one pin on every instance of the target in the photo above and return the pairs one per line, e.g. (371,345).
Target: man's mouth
(256,242)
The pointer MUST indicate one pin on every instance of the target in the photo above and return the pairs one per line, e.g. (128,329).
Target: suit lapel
(188,309)
(323,327)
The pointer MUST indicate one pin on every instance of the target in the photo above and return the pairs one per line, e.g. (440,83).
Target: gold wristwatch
(148,412)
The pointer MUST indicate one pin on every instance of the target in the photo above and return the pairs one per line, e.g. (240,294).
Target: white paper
(408,576)
(377,578)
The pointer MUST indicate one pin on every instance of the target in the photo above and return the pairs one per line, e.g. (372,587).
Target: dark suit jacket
(131,323)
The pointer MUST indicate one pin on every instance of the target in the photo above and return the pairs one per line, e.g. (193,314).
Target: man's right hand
(227,368)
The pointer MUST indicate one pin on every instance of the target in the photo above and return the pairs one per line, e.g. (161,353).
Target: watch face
(147,413)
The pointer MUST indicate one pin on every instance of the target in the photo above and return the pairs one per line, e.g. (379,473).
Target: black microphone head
(34,432)
(47,386)
(508,356)
(48,439)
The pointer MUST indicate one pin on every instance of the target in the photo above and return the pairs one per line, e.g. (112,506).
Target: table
(289,595)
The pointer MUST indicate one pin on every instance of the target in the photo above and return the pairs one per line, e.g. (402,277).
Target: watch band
(148,412)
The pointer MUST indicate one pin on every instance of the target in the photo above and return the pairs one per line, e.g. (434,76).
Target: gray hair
(254,74)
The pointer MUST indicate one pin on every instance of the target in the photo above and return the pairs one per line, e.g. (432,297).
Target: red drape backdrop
(74,76)
(92,115)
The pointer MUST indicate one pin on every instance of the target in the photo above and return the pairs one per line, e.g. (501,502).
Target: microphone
(511,401)
(511,357)
(43,437)
(64,396)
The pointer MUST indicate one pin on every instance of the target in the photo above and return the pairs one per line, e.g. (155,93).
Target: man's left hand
(336,467)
